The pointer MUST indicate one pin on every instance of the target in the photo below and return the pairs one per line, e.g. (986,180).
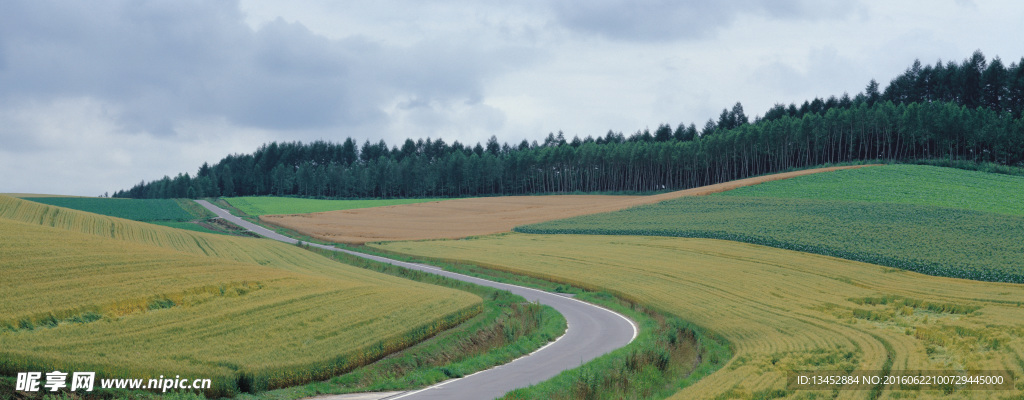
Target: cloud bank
(96,96)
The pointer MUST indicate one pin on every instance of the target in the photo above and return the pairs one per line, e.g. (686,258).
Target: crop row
(133,209)
(903,184)
(932,240)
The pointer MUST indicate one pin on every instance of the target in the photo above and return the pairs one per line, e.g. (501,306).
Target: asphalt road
(593,331)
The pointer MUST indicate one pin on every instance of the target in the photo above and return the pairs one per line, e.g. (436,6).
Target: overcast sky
(96,96)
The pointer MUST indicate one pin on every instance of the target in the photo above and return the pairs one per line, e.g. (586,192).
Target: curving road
(593,331)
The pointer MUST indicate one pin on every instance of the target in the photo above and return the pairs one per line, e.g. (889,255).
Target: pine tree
(709,128)
(492,145)
(663,133)
(872,93)
(737,116)
(993,85)
(971,72)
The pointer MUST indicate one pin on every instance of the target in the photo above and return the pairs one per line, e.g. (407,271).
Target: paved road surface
(593,331)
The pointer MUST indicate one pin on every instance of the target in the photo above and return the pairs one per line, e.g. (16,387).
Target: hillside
(780,310)
(133,209)
(904,184)
(133,300)
(884,215)
(783,310)
(458,218)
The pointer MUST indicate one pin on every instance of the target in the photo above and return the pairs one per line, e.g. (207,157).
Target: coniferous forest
(966,111)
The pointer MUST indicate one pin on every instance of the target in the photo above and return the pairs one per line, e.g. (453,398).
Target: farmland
(126,299)
(781,310)
(26,195)
(134,209)
(460,218)
(175,213)
(925,238)
(904,184)
(264,205)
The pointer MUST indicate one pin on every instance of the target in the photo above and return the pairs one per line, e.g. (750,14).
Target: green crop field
(133,209)
(942,241)
(174,213)
(903,184)
(87,292)
(27,195)
(263,205)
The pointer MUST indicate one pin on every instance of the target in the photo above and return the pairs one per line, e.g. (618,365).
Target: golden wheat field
(781,310)
(84,292)
(459,218)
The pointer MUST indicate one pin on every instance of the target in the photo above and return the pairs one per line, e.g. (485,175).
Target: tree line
(916,117)
(974,82)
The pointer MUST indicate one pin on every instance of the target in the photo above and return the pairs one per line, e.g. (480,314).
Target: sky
(96,96)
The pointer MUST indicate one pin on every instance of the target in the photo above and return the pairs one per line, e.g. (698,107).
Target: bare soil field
(459,218)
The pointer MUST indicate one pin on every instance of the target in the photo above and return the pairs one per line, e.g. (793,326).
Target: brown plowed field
(459,218)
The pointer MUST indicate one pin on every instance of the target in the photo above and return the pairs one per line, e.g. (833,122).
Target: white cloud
(78,146)
(667,20)
(100,95)
(165,62)
(822,73)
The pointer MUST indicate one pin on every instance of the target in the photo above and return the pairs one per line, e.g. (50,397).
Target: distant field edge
(24,195)
(744,182)
(273,205)
(468,217)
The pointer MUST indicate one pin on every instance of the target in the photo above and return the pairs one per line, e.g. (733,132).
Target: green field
(903,184)
(27,195)
(174,213)
(133,209)
(264,205)
(954,242)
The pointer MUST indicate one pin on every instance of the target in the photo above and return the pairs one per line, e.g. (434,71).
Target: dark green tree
(872,93)
(663,133)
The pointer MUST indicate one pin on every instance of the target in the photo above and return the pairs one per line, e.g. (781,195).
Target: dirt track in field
(459,218)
